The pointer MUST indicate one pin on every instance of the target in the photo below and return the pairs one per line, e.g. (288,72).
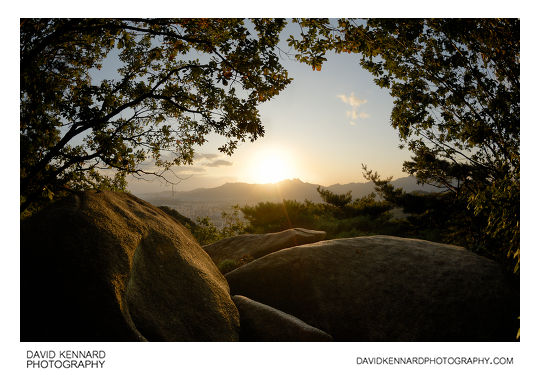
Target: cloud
(218,163)
(209,160)
(354,114)
(201,164)
(205,156)
(355,102)
(352,100)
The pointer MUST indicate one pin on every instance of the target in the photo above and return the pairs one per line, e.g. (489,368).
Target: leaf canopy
(455,84)
(177,81)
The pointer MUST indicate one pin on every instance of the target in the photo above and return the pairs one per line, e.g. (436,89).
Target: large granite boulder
(260,322)
(103,266)
(384,288)
(252,246)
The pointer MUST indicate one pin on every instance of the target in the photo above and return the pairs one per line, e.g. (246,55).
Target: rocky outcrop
(253,246)
(259,322)
(383,288)
(103,266)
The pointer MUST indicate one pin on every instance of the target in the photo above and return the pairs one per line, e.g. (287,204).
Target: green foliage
(446,217)
(267,217)
(206,232)
(227,265)
(362,217)
(369,206)
(455,84)
(234,224)
(177,81)
(337,200)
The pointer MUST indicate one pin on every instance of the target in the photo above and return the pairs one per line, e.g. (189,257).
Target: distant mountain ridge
(295,189)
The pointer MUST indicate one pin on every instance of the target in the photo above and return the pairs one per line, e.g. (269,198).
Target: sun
(271,166)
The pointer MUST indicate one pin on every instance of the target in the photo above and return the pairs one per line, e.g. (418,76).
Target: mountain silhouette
(295,189)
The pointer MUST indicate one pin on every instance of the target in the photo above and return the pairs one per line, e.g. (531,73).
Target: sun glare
(271,166)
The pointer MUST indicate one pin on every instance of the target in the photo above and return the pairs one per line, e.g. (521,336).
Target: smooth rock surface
(383,288)
(254,246)
(260,322)
(103,266)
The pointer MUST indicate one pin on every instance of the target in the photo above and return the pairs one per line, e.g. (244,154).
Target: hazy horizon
(185,187)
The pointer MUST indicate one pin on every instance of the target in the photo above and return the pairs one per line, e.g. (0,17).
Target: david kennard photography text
(65,359)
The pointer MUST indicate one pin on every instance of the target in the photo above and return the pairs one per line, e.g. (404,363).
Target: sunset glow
(271,166)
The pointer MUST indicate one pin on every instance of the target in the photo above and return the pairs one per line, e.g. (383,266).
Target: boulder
(259,322)
(104,266)
(253,246)
(384,288)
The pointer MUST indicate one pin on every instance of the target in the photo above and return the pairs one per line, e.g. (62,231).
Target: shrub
(206,232)
(227,265)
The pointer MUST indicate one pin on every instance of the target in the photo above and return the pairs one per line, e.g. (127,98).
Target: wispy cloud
(218,163)
(199,156)
(354,102)
(210,160)
(201,163)
(354,114)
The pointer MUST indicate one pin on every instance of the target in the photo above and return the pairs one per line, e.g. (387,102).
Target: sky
(354,141)
(320,129)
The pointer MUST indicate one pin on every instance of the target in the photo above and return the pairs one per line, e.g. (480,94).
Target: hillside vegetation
(438,217)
